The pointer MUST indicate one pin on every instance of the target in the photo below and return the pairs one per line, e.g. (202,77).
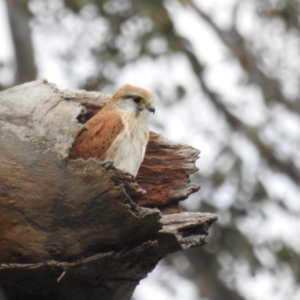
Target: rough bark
(165,171)
(74,229)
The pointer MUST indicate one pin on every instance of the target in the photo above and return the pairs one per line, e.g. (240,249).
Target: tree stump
(75,229)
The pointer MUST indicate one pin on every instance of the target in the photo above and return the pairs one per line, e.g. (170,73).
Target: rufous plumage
(119,132)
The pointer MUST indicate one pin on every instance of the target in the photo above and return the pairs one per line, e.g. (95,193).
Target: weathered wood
(113,274)
(165,171)
(74,229)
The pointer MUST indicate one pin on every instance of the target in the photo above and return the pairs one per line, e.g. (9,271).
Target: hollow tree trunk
(74,229)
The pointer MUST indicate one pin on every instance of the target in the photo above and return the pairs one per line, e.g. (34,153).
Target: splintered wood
(75,229)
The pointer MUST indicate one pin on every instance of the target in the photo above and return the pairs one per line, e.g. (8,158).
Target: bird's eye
(137,99)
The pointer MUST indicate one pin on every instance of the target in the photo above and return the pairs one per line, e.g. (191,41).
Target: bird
(119,132)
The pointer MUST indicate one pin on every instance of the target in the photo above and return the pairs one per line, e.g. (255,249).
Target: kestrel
(119,132)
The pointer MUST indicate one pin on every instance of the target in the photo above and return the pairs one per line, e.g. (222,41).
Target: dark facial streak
(127,97)
(135,98)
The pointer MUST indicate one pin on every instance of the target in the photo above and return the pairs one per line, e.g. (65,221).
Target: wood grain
(75,229)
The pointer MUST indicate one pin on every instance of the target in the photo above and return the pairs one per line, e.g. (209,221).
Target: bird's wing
(101,131)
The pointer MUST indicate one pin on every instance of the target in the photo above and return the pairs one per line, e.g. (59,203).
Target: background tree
(227,76)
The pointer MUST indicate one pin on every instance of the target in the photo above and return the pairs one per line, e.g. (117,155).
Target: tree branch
(19,17)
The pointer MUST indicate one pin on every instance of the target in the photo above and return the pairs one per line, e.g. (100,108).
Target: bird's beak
(150,106)
(151,109)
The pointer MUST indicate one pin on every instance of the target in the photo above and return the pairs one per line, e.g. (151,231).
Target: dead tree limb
(78,229)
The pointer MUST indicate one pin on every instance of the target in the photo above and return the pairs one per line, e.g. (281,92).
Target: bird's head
(133,99)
